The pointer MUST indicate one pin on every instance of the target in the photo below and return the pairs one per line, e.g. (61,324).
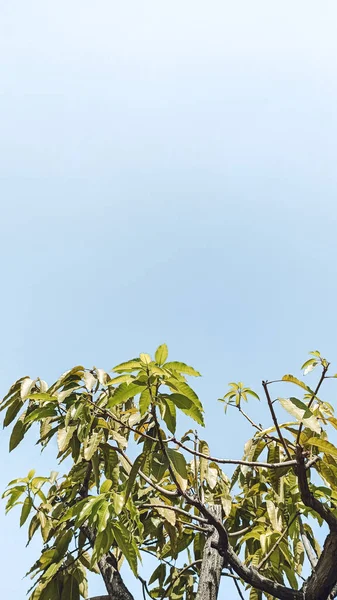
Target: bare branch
(275,421)
(236,583)
(230,461)
(175,509)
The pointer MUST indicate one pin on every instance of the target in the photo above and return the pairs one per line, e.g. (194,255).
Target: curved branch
(306,495)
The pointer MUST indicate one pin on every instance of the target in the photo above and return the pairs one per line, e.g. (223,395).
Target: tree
(174,501)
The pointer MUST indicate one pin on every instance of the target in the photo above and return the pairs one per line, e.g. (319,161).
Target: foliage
(107,505)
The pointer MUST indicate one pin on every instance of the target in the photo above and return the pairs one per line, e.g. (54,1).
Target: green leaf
(296,381)
(40,413)
(103,515)
(144,401)
(180,367)
(124,542)
(12,411)
(185,390)
(212,475)
(167,514)
(119,501)
(17,435)
(161,354)
(273,516)
(26,508)
(43,396)
(121,379)
(323,446)
(26,387)
(255,594)
(169,414)
(300,410)
(252,393)
(62,543)
(159,573)
(178,464)
(124,392)
(70,590)
(86,509)
(145,358)
(131,365)
(309,365)
(137,465)
(106,486)
(187,406)
(64,436)
(92,444)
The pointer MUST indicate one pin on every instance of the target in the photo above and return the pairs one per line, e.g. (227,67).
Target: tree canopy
(257,525)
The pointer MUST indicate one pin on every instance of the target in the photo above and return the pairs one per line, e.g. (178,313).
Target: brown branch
(258,427)
(229,461)
(251,576)
(307,497)
(109,414)
(236,583)
(175,509)
(275,421)
(240,531)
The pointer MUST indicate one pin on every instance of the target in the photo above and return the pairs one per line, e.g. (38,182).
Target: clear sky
(168,173)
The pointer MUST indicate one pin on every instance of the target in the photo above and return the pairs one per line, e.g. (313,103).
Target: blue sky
(167,173)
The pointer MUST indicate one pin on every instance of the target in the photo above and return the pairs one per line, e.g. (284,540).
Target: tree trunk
(211,566)
(114,583)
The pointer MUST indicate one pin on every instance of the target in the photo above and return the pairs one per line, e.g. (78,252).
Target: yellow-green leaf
(178,464)
(323,446)
(161,354)
(26,508)
(300,410)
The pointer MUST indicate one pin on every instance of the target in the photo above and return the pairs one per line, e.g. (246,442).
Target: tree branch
(175,509)
(275,421)
(306,495)
(230,461)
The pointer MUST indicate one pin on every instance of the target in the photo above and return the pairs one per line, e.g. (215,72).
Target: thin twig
(177,510)
(249,419)
(236,583)
(145,588)
(230,461)
(275,421)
